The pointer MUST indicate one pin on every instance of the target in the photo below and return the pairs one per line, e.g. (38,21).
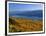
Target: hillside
(24,25)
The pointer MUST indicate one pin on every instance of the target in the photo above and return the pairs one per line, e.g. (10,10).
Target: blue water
(38,14)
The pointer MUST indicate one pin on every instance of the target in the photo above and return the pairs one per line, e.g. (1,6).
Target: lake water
(38,14)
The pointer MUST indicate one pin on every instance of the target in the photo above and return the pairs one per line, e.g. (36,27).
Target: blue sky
(24,7)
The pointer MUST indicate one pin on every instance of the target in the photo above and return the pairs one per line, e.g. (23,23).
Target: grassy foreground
(24,25)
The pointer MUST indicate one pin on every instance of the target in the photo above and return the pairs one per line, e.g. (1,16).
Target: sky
(24,7)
